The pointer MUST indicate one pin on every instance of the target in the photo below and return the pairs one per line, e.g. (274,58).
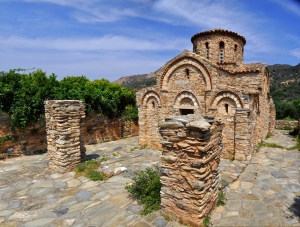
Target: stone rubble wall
(189,171)
(280,124)
(242,135)
(64,134)
(28,142)
(96,129)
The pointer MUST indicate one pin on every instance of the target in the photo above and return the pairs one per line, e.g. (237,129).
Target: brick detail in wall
(189,171)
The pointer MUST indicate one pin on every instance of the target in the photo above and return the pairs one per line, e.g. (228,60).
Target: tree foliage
(22,95)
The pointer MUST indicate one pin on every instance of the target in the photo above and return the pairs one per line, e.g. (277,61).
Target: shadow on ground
(91,156)
(295,207)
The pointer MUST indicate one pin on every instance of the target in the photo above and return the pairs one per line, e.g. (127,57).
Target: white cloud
(108,42)
(295,52)
(108,64)
(289,5)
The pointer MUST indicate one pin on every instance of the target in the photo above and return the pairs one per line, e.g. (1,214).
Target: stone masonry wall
(64,134)
(189,170)
(280,124)
(96,129)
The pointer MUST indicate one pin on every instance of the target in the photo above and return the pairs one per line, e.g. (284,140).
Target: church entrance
(186,111)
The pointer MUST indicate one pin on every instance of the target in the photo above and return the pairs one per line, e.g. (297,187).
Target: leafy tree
(22,95)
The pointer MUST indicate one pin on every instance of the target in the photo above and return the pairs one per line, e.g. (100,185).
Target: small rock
(24,216)
(68,222)
(60,212)
(73,183)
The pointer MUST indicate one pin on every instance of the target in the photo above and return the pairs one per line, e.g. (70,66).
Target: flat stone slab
(278,175)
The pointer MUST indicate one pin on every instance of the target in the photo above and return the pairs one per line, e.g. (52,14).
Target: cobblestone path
(265,193)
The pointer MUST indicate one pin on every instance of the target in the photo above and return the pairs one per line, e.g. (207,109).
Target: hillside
(285,82)
(137,82)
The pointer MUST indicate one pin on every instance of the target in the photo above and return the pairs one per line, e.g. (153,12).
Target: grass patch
(133,148)
(221,199)
(146,189)
(88,169)
(96,176)
(265,144)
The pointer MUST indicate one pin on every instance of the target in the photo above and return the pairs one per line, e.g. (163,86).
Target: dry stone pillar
(242,135)
(63,126)
(189,171)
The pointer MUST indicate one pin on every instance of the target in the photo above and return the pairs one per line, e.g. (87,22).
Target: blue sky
(115,38)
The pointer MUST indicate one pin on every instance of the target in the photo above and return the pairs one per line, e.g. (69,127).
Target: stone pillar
(189,171)
(272,117)
(63,126)
(242,135)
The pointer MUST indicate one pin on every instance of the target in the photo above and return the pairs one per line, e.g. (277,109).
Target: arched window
(153,105)
(222,52)
(226,108)
(207,50)
(187,73)
(235,47)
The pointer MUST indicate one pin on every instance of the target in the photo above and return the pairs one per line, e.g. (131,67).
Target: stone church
(212,81)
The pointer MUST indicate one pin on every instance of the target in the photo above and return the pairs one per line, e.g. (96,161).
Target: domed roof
(218,30)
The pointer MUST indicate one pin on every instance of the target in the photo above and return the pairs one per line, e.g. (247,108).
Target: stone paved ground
(30,195)
(267,192)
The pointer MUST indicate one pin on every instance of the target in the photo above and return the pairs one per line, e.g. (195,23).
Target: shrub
(288,118)
(146,189)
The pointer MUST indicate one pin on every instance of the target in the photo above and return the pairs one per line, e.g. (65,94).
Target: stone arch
(185,61)
(150,97)
(227,94)
(186,95)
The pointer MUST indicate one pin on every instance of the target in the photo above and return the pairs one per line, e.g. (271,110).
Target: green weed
(3,139)
(206,221)
(221,198)
(88,169)
(96,176)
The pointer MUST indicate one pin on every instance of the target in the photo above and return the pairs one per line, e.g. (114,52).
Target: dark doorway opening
(186,111)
